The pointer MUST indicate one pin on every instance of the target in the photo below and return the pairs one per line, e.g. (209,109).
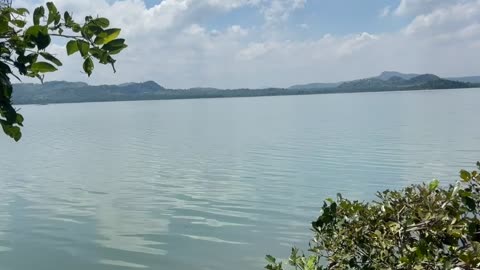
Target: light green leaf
(270,259)
(107,36)
(72,47)
(43,67)
(102,22)
(465,175)
(433,185)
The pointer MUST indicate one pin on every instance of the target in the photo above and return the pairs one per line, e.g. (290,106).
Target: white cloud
(447,20)
(169,43)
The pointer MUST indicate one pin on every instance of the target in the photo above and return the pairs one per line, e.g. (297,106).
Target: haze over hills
(72,92)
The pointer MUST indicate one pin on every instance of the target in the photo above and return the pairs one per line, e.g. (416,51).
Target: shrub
(420,227)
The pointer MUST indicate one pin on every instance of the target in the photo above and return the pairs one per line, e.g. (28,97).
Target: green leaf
(19,23)
(12,131)
(270,259)
(38,13)
(94,29)
(20,119)
(68,18)
(465,175)
(39,35)
(43,67)
(76,28)
(20,11)
(102,22)
(83,47)
(4,27)
(470,203)
(107,35)
(53,14)
(433,185)
(88,66)
(51,58)
(114,44)
(72,47)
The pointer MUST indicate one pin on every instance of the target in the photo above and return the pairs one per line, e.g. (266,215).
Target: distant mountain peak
(152,85)
(387,75)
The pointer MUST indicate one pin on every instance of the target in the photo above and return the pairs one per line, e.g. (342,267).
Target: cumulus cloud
(171,44)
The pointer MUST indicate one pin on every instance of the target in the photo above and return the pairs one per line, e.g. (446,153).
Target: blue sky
(258,43)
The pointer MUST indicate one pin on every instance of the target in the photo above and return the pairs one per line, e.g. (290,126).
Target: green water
(213,184)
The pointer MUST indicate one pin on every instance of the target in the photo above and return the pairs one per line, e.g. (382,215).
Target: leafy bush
(419,227)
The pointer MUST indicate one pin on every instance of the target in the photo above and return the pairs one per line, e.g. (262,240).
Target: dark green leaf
(39,35)
(53,14)
(470,203)
(88,66)
(51,58)
(38,13)
(68,18)
(42,67)
(114,44)
(94,29)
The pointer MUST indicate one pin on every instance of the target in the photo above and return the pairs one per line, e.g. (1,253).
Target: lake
(213,183)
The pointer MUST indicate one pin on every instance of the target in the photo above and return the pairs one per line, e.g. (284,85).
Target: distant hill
(425,81)
(468,79)
(389,74)
(73,92)
(314,86)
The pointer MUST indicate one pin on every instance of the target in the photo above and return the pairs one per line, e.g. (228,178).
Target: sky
(277,43)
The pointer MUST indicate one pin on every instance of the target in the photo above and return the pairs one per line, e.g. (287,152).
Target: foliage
(419,227)
(23,50)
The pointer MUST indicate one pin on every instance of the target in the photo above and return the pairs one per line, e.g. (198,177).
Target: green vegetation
(419,227)
(23,50)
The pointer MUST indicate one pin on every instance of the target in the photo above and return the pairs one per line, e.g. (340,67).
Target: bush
(419,227)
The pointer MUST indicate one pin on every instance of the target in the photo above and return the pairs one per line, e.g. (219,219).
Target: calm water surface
(217,183)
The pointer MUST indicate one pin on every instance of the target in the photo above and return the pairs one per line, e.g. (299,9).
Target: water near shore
(217,183)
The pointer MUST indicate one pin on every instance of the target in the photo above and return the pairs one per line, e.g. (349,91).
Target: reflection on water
(212,184)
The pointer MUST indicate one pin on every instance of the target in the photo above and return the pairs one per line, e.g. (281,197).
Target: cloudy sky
(260,43)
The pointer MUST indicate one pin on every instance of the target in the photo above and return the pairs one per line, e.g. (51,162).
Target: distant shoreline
(282,92)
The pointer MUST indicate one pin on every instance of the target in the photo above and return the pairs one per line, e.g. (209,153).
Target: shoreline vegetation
(79,92)
(423,226)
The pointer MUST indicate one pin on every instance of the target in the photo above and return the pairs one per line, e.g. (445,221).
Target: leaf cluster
(420,227)
(23,50)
